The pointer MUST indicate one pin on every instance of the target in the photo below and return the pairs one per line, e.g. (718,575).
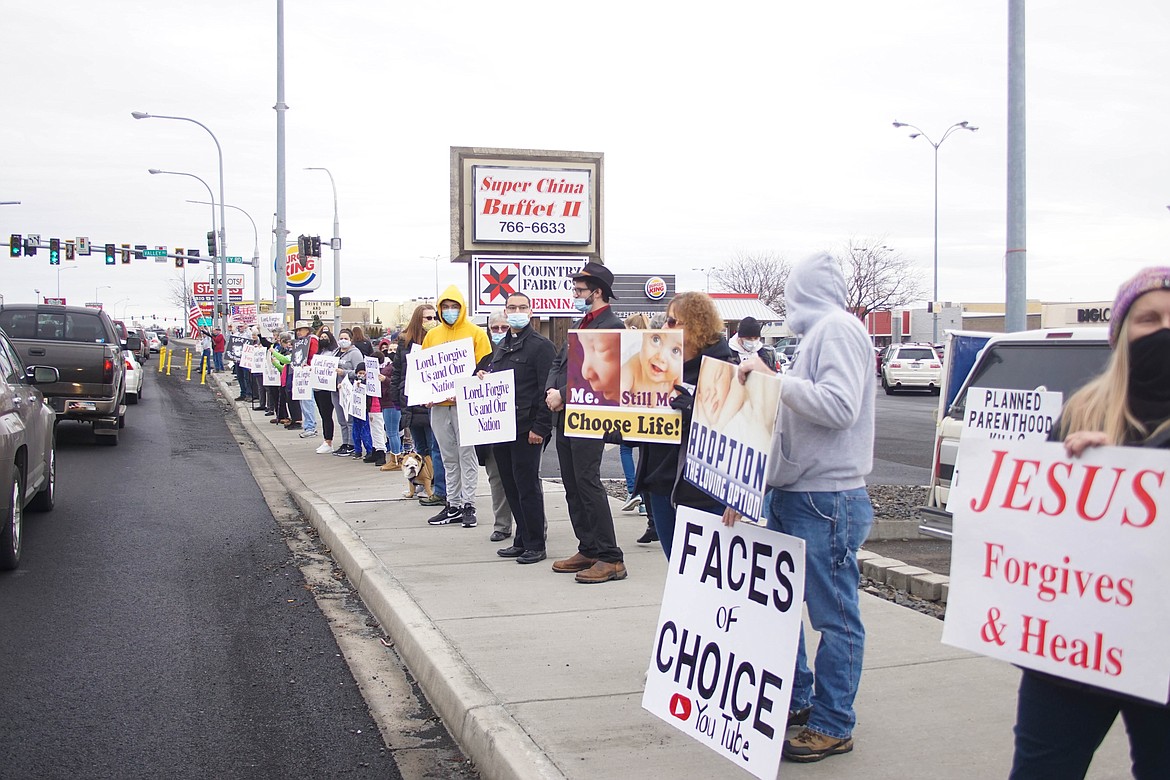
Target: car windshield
(1029,366)
(53,326)
(916,353)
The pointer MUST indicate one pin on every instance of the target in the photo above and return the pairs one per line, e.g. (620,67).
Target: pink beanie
(1145,280)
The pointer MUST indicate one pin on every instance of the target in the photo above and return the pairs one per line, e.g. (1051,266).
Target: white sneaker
(307,434)
(325,448)
(633,503)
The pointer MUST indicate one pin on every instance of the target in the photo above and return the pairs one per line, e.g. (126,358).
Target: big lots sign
(1058,562)
(206,291)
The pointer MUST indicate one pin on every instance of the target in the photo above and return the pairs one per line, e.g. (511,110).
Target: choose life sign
(725,649)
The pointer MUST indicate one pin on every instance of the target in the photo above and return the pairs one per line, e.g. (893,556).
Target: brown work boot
(577,563)
(393,462)
(809,746)
(602,572)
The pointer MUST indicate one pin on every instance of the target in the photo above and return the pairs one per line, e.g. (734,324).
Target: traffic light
(110,254)
(303,246)
(315,246)
(15,245)
(140,251)
(30,246)
(178,257)
(54,251)
(211,244)
(125,254)
(192,256)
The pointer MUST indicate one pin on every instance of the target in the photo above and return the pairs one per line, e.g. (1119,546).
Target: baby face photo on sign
(624,368)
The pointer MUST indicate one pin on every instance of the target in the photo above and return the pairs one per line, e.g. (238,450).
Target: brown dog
(418,472)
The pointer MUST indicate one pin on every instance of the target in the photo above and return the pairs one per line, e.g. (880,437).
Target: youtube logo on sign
(680,707)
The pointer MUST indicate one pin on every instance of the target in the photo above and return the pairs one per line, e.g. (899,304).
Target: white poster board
(1057,563)
(736,594)
(324,372)
(373,377)
(302,384)
(487,408)
(345,395)
(436,370)
(1010,414)
(269,323)
(357,401)
(271,372)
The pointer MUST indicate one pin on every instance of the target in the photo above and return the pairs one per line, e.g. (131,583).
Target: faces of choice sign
(1057,562)
(531,205)
(725,648)
(623,380)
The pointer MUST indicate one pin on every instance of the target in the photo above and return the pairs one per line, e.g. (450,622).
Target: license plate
(80,406)
(915,365)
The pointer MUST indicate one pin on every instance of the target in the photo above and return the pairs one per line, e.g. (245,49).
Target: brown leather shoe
(393,462)
(602,572)
(577,563)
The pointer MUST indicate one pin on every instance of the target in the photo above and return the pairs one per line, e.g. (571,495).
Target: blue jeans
(361,436)
(425,444)
(833,526)
(392,418)
(627,453)
(308,413)
(218,358)
(1059,726)
(662,512)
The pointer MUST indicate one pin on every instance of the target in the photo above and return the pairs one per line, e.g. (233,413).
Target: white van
(1058,359)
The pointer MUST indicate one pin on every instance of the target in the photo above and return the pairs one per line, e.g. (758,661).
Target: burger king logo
(299,278)
(655,288)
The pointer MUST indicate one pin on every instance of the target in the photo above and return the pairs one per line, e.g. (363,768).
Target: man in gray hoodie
(821,453)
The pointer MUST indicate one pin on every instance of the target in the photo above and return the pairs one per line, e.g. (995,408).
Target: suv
(911,366)
(1061,360)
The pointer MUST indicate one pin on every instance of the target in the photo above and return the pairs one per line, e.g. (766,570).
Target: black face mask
(1149,377)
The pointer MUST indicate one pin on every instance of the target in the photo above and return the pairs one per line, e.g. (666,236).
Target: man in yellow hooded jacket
(460,463)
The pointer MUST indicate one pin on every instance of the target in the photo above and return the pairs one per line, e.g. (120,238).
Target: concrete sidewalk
(537,676)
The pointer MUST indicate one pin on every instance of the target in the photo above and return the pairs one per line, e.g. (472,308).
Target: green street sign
(155,252)
(233,259)
(204,322)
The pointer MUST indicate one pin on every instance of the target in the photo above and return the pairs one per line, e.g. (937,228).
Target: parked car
(143,351)
(881,357)
(135,376)
(911,367)
(84,346)
(28,448)
(1059,359)
(155,341)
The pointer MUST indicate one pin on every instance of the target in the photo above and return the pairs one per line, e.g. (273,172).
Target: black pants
(325,413)
(588,502)
(519,464)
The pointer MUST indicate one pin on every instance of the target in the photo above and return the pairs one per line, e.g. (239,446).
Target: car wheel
(107,439)
(46,497)
(13,523)
(131,398)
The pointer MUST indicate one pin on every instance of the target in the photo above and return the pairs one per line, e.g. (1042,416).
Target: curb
(477,720)
(918,582)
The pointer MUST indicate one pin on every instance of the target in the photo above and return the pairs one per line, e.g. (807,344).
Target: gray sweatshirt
(825,423)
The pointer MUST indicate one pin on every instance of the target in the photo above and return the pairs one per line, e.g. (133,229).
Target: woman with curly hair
(660,466)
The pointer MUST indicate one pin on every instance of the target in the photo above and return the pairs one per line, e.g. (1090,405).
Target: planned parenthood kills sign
(531,205)
(725,649)
(1010,414)
(1058,563)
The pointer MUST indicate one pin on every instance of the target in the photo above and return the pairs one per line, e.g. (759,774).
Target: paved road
(159,625)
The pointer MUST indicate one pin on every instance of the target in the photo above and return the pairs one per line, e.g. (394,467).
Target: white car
(911,367)
(155,341)
(135,377)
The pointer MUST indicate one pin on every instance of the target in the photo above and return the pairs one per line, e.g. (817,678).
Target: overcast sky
(747,127)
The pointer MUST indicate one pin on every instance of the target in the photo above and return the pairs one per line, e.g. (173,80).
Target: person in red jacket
(218,345)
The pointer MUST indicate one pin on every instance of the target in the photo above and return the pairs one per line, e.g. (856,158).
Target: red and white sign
(205,291)
(531,205)
(548,281)
(55,301)
(1058,563)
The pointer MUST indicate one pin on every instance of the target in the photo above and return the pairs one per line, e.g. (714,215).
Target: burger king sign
(297,278)
(655,288)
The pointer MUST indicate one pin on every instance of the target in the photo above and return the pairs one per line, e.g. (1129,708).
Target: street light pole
(706,271)
(222,214)
(945,136)
(255,247)
(335,242)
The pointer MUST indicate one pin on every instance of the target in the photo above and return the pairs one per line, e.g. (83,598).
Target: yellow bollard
(188,367)
(162,358)
(203,374)
(170,354)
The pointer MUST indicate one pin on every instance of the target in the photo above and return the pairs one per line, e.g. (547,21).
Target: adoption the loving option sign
(433,371)
(487,408)
(725,649)
(1058,563)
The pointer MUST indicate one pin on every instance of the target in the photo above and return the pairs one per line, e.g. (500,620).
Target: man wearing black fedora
(598,557)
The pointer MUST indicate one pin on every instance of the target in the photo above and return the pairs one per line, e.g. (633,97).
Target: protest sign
(324,372)
(357,400)
(270,323)
(300,350)
(235,346)
(487,408)
(623,380)
(302,387)
(992,413)
(246,314)
(373,384)
(271,372)
(436,370)
(731,435)
(345,395)
(1057,563)
(725,648)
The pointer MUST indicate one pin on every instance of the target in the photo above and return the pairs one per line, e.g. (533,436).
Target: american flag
(193,315)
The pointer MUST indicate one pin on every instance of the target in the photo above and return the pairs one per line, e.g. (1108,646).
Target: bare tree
(763,274)
(878,277)
(176,295)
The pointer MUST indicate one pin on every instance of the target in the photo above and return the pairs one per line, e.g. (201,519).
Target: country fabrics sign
(521,205)
(1058,563)
(724,651)
(548,281)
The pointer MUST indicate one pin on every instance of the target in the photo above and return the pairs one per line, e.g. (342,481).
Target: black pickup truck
(83,345)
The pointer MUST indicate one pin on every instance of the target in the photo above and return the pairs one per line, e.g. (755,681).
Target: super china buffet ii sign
(531,205)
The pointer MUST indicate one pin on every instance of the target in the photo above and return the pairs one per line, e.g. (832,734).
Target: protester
(424,319)
(204,347)
(243,375)
(660,478)
(286,408)
(598,557)
(529,355)
(304,350)
(821,453)
(218,345)
(747,342)
(360,341)
(349,358)
(323,399)
(501,511)
(1060,723)
(391,414)
(362,438)
(626,453)
(461,466)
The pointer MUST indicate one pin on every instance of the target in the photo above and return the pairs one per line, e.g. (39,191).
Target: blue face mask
(518,320)
(497,337)
(580,304)
(450,315)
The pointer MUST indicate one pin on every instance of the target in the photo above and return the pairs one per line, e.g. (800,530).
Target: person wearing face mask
(461,464)
(598,557)
(350,357)
(1060,723)
(423,320)
(326,345)
(529,355)
(501,513)
(747,342)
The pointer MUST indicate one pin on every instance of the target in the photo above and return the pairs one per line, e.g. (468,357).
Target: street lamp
(945,136)
(436,259)
(255,247)
(335,243)
(59,270)
(706,271)
(222,228)
(98,289)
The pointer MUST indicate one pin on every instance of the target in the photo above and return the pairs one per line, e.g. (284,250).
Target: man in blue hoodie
(822,451)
